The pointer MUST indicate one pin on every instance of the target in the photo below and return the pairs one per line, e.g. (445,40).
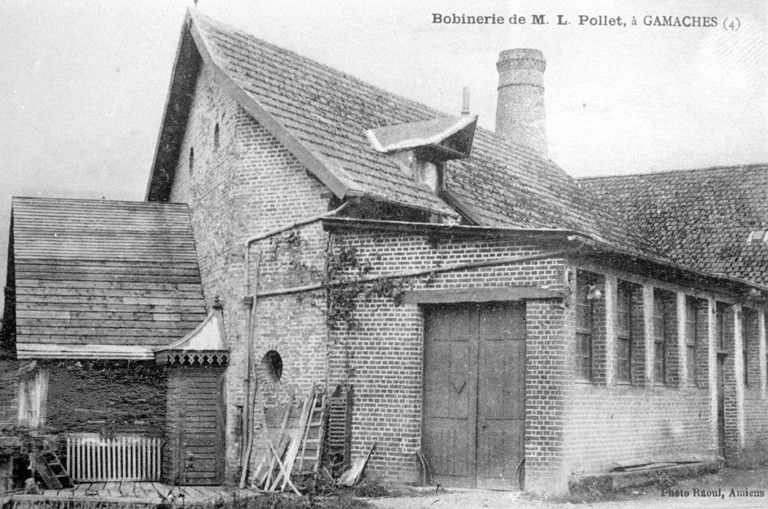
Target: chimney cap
(522,58)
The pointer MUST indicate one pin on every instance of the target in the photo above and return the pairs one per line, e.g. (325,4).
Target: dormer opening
(423,148)
(422,168)
(429,173)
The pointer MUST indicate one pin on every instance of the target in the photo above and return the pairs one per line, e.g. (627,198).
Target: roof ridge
(748,166)
(195,13)
(351,77)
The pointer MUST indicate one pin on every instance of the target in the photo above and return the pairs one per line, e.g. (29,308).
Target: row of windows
(588,295)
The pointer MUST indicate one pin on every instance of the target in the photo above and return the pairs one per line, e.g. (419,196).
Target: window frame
(659,340)
(624,335)
(720,327)
(692,339)
(584,333)
(745,347)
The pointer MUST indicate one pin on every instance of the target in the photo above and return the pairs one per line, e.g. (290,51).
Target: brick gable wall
(248,186)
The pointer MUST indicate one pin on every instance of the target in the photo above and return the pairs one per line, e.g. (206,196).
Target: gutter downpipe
(250,393)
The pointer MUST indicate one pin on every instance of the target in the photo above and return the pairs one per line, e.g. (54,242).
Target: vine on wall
(345,264)
(106,397)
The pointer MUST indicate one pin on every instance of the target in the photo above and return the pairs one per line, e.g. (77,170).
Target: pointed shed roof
(206,345)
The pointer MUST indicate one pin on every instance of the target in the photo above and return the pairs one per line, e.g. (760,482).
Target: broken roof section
(98,279)
(323,115)
(443,138)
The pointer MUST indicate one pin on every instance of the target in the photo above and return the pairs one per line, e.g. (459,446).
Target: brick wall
(382,353)
(247,186)
(106,397)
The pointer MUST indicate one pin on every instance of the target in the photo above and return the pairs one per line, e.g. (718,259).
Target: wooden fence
(122,458)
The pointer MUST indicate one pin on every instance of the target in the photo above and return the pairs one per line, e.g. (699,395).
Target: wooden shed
(98,286)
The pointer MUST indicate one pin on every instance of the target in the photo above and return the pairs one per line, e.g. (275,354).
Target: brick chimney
(520,109)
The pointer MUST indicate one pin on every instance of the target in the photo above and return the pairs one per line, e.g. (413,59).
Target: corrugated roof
(700,218)
(99,276)
(329,113)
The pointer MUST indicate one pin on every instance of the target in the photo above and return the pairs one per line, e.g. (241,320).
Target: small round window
(273,363)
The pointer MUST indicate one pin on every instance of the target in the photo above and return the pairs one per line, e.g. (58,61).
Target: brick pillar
(738,369)
(761,348)
(682,373)
(550,343)
(712,369)
(648,322)
(610,329)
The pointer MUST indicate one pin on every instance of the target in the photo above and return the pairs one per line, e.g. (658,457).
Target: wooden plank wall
(104,272)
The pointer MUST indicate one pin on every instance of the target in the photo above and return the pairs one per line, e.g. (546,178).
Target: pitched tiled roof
(700,218)
(502,183)
(97,278)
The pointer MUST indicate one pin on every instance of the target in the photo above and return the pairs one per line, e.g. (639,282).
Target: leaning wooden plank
(352,476)
(281,443)
(298,434)
(283,471)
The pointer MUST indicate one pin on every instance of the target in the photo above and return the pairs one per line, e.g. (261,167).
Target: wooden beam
(699,293)
(508,293)
(93,351)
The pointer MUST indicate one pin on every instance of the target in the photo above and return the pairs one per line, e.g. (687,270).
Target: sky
(83,83)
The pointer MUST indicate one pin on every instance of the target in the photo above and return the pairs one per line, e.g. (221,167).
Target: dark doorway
(474,394)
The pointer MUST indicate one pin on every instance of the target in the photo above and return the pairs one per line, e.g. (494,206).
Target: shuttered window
(584,319)
(745,339)
(660,340)
(720,317)
(691,339)
(624,332)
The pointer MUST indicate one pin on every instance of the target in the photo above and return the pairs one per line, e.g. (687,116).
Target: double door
(473,430)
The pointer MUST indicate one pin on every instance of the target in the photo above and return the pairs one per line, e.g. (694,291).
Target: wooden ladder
(51,470)
(312,441)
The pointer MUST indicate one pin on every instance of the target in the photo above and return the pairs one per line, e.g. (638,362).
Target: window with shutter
(660,339)
(691,339)
(624,332)
(584,319)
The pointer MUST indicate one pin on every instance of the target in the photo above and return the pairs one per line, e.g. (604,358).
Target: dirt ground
(750,490)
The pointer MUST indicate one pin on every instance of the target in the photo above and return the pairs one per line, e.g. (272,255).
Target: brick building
(488,310)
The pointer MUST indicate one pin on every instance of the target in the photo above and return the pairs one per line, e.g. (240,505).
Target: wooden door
(194,452)
(474,394)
